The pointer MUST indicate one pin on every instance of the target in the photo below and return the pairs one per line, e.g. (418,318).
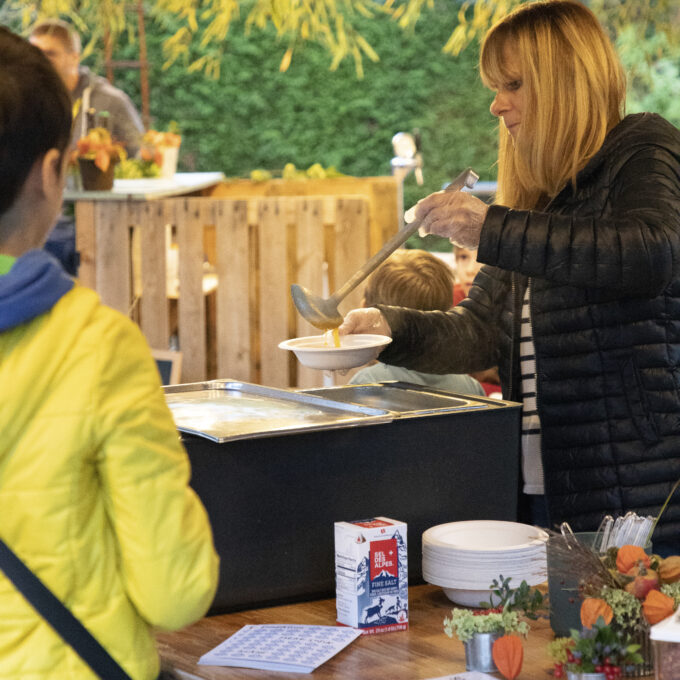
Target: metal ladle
(323,312)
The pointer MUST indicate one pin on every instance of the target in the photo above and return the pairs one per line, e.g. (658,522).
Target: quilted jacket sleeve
(167,556)
(462,340)
(632,247)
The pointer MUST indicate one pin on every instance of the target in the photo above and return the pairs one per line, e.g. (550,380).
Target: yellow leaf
(365,46)
(285,62)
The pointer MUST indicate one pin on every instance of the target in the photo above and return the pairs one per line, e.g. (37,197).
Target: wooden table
(424,651)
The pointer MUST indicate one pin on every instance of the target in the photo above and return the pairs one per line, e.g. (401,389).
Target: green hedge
(256,117)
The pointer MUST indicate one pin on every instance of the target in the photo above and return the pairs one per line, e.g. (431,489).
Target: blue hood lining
(33,286)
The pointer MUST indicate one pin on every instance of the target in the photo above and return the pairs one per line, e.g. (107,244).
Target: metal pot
(478,656)
(571,675)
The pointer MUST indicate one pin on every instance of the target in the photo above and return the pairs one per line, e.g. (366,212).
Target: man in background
(61,44)
(109,107)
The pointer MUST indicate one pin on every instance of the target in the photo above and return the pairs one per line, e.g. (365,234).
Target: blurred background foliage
(244,112)
(255,116)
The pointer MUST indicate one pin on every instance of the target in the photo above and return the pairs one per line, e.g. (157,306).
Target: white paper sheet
(467,675)
(280,647)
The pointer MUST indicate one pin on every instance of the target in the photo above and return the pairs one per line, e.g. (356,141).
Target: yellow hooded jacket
(94,493)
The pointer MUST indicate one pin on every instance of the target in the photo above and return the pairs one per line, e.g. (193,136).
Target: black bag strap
(59,617)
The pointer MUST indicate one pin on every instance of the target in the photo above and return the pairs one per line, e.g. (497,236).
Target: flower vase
(170,155)
(93,178)
(478,652)
(571,675)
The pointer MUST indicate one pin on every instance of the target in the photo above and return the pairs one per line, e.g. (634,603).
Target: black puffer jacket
(603,265)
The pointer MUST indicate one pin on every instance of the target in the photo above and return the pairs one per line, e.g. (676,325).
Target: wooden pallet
(254,247)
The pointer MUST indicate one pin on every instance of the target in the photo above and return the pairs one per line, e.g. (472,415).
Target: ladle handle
(467,177)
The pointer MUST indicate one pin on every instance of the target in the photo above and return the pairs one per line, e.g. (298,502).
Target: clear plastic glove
(457,215)
(365,320)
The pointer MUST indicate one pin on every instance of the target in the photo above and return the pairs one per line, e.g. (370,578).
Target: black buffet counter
(276,468)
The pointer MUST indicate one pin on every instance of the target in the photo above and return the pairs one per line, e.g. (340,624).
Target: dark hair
(64,32)
(35,113)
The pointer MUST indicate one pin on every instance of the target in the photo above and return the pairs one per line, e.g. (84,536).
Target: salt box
(371,575)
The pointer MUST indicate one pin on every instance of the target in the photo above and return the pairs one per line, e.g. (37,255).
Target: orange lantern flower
(628,556)
(657,606)
(508,654)
(591,610)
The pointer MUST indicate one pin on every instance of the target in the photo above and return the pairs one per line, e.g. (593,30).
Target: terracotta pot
(93,178)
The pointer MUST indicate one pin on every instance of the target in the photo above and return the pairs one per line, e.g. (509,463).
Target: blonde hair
(574,88)
(411,278)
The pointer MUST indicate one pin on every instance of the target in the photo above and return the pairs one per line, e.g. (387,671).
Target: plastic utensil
(568,534)
(323,312)
(599,544)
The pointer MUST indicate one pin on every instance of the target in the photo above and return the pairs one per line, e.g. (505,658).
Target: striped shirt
(532,465)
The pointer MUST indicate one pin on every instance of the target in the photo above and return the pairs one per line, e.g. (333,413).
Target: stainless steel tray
(404,399)
(227,410)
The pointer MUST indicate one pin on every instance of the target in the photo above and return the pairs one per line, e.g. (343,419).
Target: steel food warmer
(276,468)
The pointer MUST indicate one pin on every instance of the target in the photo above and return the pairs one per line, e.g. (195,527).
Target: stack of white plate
(464,558)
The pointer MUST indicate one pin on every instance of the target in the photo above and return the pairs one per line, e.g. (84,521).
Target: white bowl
(468,598)
(316,351)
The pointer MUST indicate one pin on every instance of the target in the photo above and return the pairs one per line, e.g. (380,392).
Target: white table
(149,188)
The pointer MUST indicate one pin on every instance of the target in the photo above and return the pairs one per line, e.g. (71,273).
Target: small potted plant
(162,148)
(598,652)
(478,629)
(97,155)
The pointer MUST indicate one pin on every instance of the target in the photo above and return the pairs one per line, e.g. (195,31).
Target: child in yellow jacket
(94,482)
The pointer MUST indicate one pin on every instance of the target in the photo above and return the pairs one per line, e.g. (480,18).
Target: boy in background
(94,493)
(466,270)
(419,280)
(467,267)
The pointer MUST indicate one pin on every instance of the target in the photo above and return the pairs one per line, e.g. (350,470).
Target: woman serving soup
(578,301)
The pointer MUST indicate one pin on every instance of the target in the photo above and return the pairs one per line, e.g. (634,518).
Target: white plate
(485,536)
(316,351)
(455,581)
(477,558)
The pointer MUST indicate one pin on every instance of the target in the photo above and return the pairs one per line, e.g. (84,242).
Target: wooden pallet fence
(236,261)
(381,193)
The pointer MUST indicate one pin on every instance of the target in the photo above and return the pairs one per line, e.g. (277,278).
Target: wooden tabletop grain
(424,651)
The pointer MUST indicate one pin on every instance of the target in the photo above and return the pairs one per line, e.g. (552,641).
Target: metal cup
(478,655)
